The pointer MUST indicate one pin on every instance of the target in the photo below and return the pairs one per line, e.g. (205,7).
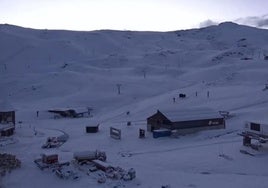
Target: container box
(92,129)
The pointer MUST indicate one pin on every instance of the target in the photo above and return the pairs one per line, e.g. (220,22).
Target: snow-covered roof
(76,109)
(81,110)
(5,106)
(190,114)
(259,121)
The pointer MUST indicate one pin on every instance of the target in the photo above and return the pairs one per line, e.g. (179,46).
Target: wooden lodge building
(187,121)
(7,119)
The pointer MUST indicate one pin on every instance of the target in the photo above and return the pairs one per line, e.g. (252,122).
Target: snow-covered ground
(43,69)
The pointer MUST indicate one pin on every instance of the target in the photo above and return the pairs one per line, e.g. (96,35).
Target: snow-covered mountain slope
(34,63)
(44,69)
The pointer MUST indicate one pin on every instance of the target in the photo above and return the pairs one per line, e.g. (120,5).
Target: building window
(255,127)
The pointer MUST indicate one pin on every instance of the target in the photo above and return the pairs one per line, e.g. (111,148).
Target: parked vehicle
(85,156)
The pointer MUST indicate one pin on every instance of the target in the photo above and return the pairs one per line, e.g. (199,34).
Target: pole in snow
(118,88)
(144,73)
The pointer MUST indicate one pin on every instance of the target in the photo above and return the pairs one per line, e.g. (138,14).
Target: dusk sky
(150,15)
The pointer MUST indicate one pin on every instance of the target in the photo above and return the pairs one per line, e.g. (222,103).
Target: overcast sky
(150,15)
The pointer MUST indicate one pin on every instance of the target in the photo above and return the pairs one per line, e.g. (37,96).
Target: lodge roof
(190,114)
